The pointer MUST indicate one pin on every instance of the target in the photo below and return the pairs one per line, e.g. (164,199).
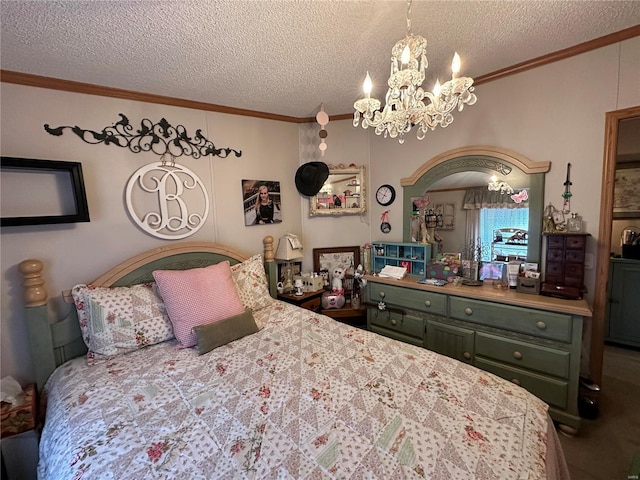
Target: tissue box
(21,418)
(528,285)
(441,271)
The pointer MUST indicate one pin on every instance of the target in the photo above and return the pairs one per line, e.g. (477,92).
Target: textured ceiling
(284,57)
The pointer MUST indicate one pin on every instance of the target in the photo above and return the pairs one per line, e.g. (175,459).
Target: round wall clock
(385,195)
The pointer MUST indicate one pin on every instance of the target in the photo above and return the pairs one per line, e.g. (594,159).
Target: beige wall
(77,253)
(545,114)
(553,113)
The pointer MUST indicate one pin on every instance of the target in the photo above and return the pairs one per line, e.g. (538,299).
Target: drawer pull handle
(427,303)
(468,311)
(516,381)
(541,325)
(394,321)
(467,355)
(517,355)
(381,294)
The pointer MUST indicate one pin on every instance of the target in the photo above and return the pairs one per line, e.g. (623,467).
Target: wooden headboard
(52,344)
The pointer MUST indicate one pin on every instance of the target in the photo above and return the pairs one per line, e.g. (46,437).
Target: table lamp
(289,249)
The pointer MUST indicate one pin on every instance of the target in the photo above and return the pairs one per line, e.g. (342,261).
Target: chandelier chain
(409,18)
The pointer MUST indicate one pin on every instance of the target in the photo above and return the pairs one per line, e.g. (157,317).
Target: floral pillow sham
(251,283)
(119,320)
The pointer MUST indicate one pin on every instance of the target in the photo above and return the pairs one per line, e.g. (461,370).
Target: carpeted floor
(604,448)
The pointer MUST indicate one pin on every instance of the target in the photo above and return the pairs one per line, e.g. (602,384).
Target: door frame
(600,299)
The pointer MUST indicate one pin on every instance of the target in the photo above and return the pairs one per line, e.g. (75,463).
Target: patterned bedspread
(304,398)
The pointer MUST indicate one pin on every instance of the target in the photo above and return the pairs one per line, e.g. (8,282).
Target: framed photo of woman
(261,202)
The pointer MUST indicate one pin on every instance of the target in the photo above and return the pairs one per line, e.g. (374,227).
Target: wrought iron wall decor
(160,138)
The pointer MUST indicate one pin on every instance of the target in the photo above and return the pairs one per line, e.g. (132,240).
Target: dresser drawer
(550,390)
(574,256)
(575,241)
(555,268)
(410,298)
(525,355)
(577,282)
(555,255)
(406,325)
(539,323)
(555,241)
(312,304)
(573,269)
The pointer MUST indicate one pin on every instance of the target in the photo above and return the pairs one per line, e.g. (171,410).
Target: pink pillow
(197,297)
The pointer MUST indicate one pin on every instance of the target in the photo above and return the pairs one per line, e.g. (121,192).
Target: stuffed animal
(324,273)
(358,276)
(337,274)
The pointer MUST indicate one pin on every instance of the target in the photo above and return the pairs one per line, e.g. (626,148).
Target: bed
(303,397)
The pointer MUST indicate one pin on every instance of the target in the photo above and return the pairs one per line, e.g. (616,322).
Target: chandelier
(405,105)
(496,185)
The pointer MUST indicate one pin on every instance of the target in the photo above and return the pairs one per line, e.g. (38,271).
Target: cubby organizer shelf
(414,256)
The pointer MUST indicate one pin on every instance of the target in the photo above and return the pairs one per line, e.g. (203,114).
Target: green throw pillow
(213,335)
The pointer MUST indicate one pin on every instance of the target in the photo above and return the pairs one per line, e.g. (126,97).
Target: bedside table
(346,314)
(309,300)
(19,437)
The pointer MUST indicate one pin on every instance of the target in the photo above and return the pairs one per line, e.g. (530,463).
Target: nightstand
(312,301)
(346,314)
(20,436)
(309,300)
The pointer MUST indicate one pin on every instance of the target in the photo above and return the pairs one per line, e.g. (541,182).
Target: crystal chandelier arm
(405,104)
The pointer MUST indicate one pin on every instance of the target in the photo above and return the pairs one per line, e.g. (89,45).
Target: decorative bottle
(575,223)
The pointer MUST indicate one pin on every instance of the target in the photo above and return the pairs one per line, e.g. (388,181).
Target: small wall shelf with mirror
(343,193)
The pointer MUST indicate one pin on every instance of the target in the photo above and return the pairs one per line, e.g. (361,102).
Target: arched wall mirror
(343,193)
(448,177)
(621,148)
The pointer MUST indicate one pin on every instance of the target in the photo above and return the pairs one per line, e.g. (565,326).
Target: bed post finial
(269,254)
(35,294)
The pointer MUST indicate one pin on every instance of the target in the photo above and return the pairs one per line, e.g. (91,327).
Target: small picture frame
(345,257)
(558,217)
(448,212)
(261,202)
(327,258)
(295,266)
(492,271)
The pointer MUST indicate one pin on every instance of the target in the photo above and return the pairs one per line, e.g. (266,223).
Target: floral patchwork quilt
(304,398)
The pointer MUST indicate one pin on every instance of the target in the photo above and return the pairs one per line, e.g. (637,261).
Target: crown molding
(28,79)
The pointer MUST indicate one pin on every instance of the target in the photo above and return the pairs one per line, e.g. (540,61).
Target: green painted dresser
(531,340)
(623,320)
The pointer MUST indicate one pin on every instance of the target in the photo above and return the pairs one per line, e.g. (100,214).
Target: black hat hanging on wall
(310,177)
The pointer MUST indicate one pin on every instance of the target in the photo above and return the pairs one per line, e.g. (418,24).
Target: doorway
(600,302)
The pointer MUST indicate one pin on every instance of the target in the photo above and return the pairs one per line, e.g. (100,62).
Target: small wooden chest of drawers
(564,260)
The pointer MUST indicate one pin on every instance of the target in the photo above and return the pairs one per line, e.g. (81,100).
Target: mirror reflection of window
(496,219)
